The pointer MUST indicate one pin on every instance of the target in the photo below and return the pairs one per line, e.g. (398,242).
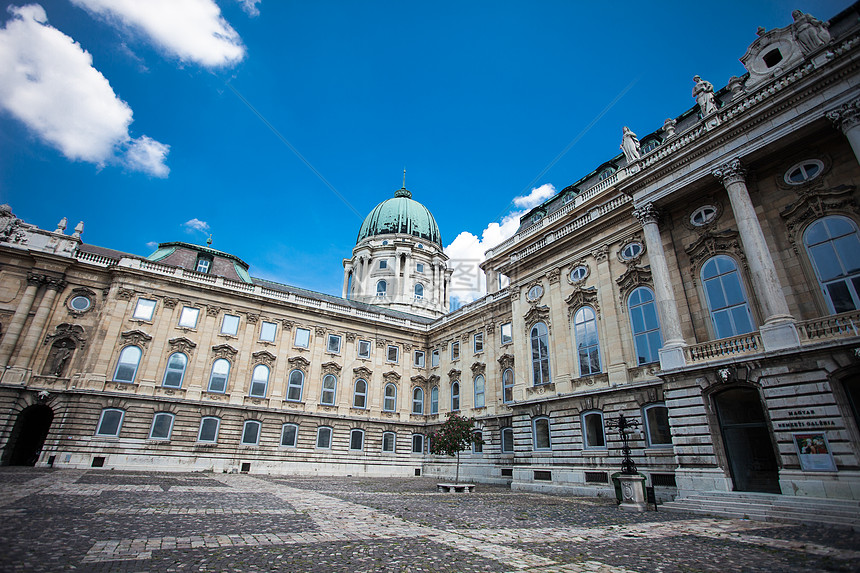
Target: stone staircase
(772,507)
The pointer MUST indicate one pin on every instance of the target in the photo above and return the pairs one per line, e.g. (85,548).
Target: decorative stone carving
(350,336)
(736,86)
(170,302)
(287,324)
(703,93)
(55,283)
(381,343)
(320,330)
(478,368)
(630,145)
(73,332)
(465,337)
(136,337)
(711,243)
(252,317)
(537,314)
(263,357)
(418,381)
(647,213)
(506,361)
(553,275)
(212,310)
(433,380)
(634,276)
(299,363)
(181,344)
(407,347)
(730,172)
(59,357)
(601,253)
(362,372)
(846,116)
(391,377)
(811,34)
(581,297)
(815,203)
(490,329)
(224,351)
(669,127)
(454,374)
(331,368)
(121,293)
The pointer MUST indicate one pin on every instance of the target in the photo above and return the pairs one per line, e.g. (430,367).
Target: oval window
(703,215)
(804,171)
(631,251)
(578,273)
(80,303)
(535,292)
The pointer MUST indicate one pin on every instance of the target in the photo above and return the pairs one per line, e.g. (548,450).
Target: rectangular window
(289,435)
(110,422)
(303,338)
(188,318)
(540,434)
(364,349)
(208,430)
(144,309)
(455,351)
(434,358)
(267,331)
(388,441)
(419,358)
(230,324)
(356,440)
(478,343)
(203,265)
(507,333)
(393,352)
(333,344)
(383,264)
(419,268)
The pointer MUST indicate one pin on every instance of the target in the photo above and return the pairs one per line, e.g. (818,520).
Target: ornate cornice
(331,368)
(362,372)
(506,361)
(816,203)
(845,117)
(582,297)
(647,214)
(454,374)
(391,377)
(72,332)
(263,357)
(730,172)
(182,344)
(478,368)
(633,277)
(710,244)
(136,337)
(537,314)
(224,351)
(299,363)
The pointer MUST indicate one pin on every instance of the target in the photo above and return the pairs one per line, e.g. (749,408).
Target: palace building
(705,283)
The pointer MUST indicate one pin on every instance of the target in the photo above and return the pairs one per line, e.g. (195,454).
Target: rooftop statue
(630,145)
(703,91)
(810,32)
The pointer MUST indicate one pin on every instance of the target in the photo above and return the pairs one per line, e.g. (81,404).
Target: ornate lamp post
(625,426)
(632,484)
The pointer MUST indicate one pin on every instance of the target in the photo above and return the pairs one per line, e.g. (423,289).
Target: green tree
(453,436)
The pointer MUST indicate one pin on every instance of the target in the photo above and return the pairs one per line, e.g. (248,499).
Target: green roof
(401,214)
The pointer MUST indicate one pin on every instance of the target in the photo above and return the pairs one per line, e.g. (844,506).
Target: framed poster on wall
(814,453)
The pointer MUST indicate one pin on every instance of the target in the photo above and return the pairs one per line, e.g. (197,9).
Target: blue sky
(123,114)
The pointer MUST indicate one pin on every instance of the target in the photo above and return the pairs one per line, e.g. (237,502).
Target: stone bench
(455,487)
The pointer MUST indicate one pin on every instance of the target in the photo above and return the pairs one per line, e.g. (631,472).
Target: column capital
(730,172)
(647,213)
(56,284)
(846,116)
(35,279)
(601,253)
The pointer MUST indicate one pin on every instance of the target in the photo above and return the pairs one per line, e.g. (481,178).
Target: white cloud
(147,155)
(537,196)
(196,224)
(152,245)
(192,30)
(48,82)
(250,7)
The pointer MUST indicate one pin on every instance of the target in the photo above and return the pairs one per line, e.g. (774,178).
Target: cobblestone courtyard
(125,521)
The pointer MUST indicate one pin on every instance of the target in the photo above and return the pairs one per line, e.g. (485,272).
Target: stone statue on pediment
(630,145)
(811,33)
(703,91)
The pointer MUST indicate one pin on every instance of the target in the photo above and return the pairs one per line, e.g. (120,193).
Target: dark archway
(28,435)
(852,390)
(747,441)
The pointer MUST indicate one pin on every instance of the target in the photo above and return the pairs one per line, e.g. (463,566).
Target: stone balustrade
(724,348)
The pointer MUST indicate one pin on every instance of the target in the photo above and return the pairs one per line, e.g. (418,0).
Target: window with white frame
(144,309)
(259,381)
(389,442)
(303,338)
(204,263)
(478,343)
(333,344)
(419,267)
(727,301)
(218,376)
(477,442)
(295,384)
(251,433)
(434,400)
(479,391)
(593,436)
(434,358)
(324,438)
(289,435)
(419,291)
(268,331)
(393,353)
(329,389)
(507,440)
(126,366)
(541,438)
(508,386)
(646,326)
(455,396)
(507,330)
(188,317)
(383,264)
(417,401)
(803,171)
(162,424)
(587,343)
(390,398)
(175,371)
(455,351)
(631,250)
(417,443)
(230,324)
(419,359)
(833,247)
(208,432)
(381,288)
(356,439)
(540,354)
(657,431)
(364,349)
(359,394)
(110,422)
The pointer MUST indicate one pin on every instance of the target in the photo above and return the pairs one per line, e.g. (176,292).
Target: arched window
(390,400)
(389,441)
(219,374)
(540,354)
(508,386)
(295,384)
(419,291)
(477,442)
(329,389)
(359,394)
(479,391)
(175,371)
(587,343)
(646,327)
(592,430)
(606,173)
(648,145)
(540,434)
(251,433)
(834,249)
(381,286)
(126,366)
(434,400)
(110,422)
(417,401)
(656,418)
(455,396)
(162,425)
(507,440)
(324,437)
(727,302)
(356,439)
(259,381)
(208,432)
(289,435)
(417,443)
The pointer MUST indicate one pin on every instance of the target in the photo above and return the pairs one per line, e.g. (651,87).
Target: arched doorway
(28,435)
(747,440)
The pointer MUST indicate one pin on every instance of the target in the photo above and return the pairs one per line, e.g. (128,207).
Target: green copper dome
(400,214)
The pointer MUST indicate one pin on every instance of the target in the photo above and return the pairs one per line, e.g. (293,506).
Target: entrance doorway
(747,440)
(28,435)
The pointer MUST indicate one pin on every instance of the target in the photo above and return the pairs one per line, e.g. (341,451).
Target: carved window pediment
(136,337)
(478,368)
(814,203)
(582,297)
(536,314)
(299,363)
(454,374)
(331,368)
(433,379)
(362,372)
(419,381)
(263,357)
(713,243)
(391,377)
(224,351)
(506,361)
(182,344)
(634,276)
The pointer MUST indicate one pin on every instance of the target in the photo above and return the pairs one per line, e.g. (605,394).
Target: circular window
(537,217)
(578,273)
(631,251)
(80,303)
(703,215)
(384,242)
(420,246)
(804,171)
(535,292)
